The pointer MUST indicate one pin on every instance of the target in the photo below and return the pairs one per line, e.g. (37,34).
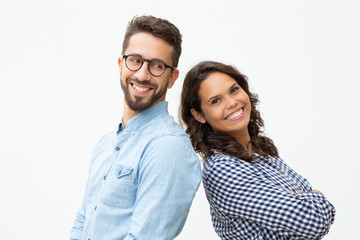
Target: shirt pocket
(120,189)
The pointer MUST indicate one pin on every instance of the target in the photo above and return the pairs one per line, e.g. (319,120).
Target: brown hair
(202,136)
(158,27)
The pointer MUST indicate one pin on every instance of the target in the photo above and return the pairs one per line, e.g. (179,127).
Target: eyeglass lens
(156,67)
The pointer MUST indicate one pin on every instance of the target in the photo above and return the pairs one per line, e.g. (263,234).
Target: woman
(252,193)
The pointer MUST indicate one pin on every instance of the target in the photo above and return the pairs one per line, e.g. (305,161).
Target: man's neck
(128,114)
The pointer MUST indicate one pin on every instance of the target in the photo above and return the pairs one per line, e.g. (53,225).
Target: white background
(60,93)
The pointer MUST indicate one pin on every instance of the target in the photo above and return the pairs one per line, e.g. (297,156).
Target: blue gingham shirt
(249,201)
(142,181)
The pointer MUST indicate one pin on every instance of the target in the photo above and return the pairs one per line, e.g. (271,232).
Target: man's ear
(198,116)
(173,77)
(120,65)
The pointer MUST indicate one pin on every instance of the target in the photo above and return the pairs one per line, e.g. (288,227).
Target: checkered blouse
(249,201)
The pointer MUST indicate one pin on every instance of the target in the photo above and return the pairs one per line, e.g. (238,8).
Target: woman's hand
(291,192)
(317,191)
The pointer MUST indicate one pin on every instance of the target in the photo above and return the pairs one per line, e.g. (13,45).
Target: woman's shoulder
(222,158)
(220,161)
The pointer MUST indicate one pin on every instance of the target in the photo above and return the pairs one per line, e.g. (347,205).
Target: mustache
(143,82)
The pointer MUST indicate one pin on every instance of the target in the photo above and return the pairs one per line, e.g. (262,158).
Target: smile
(140,89)
(235,115)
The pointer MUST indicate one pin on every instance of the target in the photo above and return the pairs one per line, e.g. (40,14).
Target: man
(143,176)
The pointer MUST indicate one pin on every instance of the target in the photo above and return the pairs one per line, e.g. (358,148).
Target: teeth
(236,114)
(140,89)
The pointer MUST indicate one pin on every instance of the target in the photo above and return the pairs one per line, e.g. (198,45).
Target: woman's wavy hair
(207,142)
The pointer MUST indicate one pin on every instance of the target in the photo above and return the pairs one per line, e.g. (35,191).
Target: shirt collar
(144,117)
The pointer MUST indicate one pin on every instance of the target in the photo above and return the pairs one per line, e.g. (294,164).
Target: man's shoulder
(165,125)
(167,135)
(108,136)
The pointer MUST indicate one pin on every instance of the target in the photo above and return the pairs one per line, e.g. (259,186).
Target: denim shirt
(142,181)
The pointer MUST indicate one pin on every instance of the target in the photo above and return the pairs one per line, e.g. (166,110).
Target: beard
(139,104)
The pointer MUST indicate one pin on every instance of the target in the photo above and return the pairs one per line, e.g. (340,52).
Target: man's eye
(157,65)
(135,60)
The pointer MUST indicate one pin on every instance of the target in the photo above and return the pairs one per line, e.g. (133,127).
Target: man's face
(141,89)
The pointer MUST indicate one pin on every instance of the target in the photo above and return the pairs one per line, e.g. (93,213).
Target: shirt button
(300,187)
(119,172)
(117,148)
(299,195)
(280,170)
(105,177)
(95,208)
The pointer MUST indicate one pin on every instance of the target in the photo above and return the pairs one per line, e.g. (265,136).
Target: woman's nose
(230,102)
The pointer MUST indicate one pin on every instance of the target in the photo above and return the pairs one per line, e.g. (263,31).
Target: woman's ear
(198,116)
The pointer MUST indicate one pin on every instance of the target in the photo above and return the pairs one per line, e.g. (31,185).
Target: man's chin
(141,103)
(139,106)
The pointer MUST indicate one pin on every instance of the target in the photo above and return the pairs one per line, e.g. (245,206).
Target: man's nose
(143,73)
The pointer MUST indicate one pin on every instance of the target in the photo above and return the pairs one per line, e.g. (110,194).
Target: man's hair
(158,27)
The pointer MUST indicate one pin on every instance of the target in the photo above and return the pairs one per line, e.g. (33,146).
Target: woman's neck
(244,139)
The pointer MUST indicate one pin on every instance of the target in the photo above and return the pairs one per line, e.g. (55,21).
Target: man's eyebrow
(153,59)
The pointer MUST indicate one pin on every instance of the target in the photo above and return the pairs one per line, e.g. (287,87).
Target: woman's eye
(216,100)
(234,89)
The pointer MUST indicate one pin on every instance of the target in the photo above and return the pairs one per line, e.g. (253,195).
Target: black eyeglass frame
(149,62)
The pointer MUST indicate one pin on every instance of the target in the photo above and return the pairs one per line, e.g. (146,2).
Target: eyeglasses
(156,67)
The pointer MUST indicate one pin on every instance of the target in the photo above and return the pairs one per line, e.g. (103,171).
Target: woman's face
(225,105)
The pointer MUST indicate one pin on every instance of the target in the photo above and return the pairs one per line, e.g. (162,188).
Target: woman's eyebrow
(213,97)
(216,96)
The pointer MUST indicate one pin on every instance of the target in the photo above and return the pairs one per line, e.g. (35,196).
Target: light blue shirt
(142,181)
